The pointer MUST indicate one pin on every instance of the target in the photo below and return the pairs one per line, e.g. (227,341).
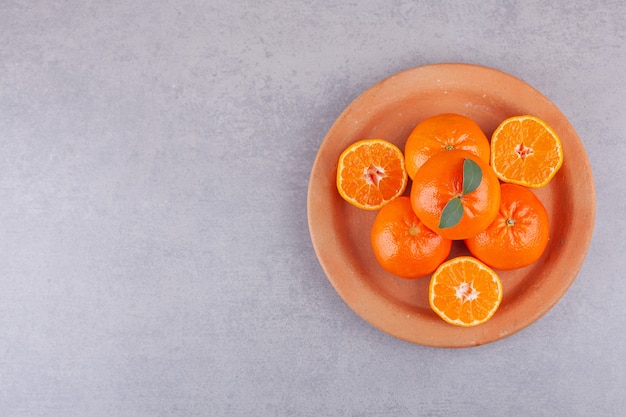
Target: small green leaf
(472,175)
(451,214)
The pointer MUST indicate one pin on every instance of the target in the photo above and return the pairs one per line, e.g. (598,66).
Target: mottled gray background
(155,257)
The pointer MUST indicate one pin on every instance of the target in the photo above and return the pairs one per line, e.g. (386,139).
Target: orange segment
(526,151)
(370,173)
(465,292)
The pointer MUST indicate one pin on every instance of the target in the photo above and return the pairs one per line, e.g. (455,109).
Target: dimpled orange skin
(444,132)
(519,234)
(441,179)
(403,245)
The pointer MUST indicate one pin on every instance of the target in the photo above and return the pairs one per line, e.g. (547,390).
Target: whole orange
(444,132)
(403,245)
(519,234)
(440,180)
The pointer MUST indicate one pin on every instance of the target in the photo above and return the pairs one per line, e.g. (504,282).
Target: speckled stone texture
(155,253)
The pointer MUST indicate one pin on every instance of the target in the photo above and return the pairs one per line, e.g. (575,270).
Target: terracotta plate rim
(396,318)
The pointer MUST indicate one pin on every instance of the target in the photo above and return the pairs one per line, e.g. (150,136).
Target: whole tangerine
(518,236)
(403,245)
(441,180)
(444,132)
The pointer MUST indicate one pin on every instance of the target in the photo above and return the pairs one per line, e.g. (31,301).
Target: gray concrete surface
(155,257)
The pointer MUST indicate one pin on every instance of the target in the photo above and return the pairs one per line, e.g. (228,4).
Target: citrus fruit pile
(462,187)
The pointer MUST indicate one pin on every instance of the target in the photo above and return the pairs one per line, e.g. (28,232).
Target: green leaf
(451,214)
(472,175)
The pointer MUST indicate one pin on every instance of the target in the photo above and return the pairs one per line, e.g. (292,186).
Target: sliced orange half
(371,173)
(464,291)
(526,151)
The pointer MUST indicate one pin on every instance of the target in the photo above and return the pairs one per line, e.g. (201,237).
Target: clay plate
(340,232)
